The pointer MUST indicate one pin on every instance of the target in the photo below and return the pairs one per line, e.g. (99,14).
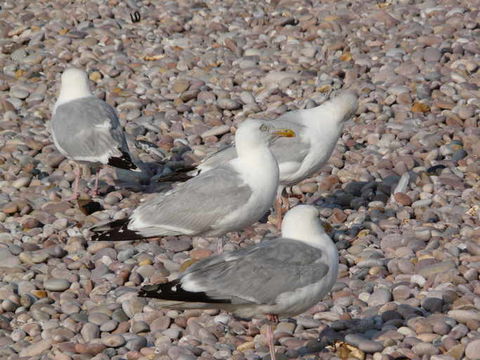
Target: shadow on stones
(370,329)
(358,194)
(146,180)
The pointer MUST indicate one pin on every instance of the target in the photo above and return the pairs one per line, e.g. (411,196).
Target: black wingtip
(174,177)
(151,291)
(123,162)
(173,291)
(115,231)
(178,175)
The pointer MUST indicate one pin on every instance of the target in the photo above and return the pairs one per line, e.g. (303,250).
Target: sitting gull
(86,129)
(279,277)
(317,129)
(228,198)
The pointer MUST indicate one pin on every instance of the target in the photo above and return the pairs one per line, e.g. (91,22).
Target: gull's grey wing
(219,157)
(88,129)
(194,206)
(258,274)
(290,149)
(284,149)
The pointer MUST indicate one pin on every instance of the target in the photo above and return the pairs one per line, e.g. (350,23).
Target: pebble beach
(400,195)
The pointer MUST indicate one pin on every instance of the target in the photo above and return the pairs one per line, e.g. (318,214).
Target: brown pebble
(10,208)
(180,85)
(402,199)
(198,254)
(133,355)
(123,327)
(420,107)
(91,349)
(249,345)
(39,293)
(328,182)
(338,216)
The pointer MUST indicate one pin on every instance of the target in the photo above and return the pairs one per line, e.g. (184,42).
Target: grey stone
(98,318)
(216,131)
(56,284)
(464,316)
(139,326)
(136,343)
(7,259)
(109,325)
(228,104)
(119,315)
(19,93)
(35,349)
(89,332)
(432,304)
(472,349)
(432,54)
(423,348)
(113,341)
(379,297)
(436,268)
(364,344)
(132,306)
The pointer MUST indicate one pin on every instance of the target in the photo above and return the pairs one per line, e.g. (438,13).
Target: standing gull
(317,129)
(228,198)
(279,277)
(86,129)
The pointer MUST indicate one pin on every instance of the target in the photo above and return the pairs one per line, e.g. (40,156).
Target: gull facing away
(317,129)
(281,277)
(86,129)
(228,198)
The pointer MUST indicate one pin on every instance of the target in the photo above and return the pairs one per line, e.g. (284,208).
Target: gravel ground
(400,193)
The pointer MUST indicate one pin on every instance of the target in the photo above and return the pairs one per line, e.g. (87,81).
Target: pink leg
(77,171)
(94,191)
(299,197)
(278,211)
(220,245)
(281,206)
(269,335)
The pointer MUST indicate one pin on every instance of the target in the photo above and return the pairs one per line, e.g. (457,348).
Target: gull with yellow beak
(280,277)
(227,198)
(318,130)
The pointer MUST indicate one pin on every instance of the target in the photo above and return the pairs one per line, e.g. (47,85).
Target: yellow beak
(284,132)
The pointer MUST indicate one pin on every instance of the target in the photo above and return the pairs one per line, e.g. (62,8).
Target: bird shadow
(161,163)
(372,328)
(359,193)
(143,181)
(354,195)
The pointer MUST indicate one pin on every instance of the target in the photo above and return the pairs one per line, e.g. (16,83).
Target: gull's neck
(258,156)
(258,167)
(308,231)
(323,118)
(70,93)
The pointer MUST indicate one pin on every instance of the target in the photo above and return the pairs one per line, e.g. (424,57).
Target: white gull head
(254,134)
(74,86)
(302,223)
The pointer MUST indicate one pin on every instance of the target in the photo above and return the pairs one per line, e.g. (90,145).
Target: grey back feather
(79,127)
(197,204)
(290,149)
(284,149)
(259,274)
(221,156)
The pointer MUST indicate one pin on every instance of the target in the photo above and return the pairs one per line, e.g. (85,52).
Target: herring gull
(228,198)
(318,130)
(86,129)
(279,277)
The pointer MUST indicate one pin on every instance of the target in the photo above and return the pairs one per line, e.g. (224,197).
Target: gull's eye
(264,127)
